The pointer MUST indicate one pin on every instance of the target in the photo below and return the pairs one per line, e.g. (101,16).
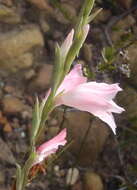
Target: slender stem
(25,171)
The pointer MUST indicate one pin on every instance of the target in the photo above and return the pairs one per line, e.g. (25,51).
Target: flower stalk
(64,57)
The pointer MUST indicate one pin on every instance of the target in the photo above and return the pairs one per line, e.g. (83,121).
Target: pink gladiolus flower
(50,147)
(93,97)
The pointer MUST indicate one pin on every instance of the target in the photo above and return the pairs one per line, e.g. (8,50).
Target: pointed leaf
(35,120)
(93,16)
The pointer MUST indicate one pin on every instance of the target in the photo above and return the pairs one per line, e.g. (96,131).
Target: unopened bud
(85,31)
(67,44)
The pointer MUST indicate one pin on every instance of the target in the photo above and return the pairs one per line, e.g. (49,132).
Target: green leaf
(58,69)
(36,119)
(57,50)
(93,16)
(108,54)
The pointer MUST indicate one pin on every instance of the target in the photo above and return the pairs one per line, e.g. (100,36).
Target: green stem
(22,179)
(48,107)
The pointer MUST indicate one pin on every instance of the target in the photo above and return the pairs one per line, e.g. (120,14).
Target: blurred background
(94,159)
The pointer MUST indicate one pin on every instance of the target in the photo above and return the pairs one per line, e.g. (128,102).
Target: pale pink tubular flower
(50,147)
(93,97)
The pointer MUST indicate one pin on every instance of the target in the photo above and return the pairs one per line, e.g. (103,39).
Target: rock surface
(42,79)
(92,181)
(125,3)
(133,63)
(12,105)
(72,176)
(128,100)
(9,15)
(6,155)
(21,62)
(17,42)
(77,124)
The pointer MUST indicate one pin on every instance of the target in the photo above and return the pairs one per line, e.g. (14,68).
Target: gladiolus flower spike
(93,97)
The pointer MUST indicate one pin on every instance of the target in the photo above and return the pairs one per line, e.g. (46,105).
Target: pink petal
(115,108)
(108,118)
(53,143)
(50,146)
(74,78)
(41,157)
(85,98)
(108,91)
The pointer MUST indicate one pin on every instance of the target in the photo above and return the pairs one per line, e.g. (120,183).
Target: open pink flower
(51,146)
(93,97)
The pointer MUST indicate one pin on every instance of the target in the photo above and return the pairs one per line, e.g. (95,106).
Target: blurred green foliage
(109,56)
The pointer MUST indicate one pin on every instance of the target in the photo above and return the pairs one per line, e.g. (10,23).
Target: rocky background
(94,159)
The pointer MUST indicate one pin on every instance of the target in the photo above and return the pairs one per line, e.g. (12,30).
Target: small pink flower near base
(50,147)
(93,97)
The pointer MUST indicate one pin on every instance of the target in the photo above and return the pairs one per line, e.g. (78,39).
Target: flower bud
(67,44)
